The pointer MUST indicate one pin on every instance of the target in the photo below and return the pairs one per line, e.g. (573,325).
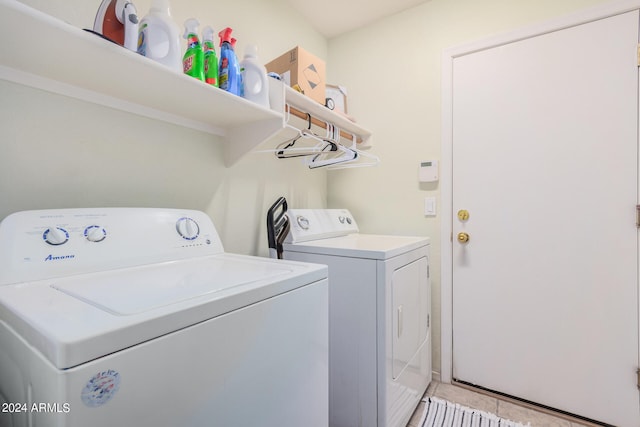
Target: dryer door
(410,302)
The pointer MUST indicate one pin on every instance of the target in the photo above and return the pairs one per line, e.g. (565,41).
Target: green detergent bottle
(192,62)
(210,57)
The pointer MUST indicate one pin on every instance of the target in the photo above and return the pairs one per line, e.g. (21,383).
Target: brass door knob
(463,214)
(463,237)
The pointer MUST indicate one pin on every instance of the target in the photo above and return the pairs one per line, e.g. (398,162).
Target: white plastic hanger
(326,158)
(373,159)
(288,149)
(327,152)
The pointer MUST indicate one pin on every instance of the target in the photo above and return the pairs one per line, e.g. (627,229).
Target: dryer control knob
(303,222)
(55,236)
(95,233)
(187,228)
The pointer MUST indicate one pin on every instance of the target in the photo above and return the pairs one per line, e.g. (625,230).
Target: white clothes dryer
(379,316)
(122,317)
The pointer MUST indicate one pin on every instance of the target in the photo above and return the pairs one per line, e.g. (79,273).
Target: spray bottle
(210,57)
(193,57)
(254,77)
(240,82)
(229,70)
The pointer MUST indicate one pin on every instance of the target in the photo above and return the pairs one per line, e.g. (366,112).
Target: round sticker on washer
(101,388)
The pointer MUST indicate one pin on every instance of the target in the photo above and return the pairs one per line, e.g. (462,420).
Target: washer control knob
(95,233)
(187,228)
(303,222)
(55,236)
(349,220)
(341,219)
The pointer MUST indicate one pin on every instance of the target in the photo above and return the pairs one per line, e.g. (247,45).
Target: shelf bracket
(242,139)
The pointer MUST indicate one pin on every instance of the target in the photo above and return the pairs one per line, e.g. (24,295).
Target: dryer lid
(369,246)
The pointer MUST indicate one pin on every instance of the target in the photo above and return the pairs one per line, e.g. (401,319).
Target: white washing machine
(379,316)
(123,317)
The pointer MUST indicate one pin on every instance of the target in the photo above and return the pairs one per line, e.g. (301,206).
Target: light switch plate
(430,206)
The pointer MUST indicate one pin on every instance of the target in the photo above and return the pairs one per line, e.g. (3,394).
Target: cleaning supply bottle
(254,77)
(240,83)
(192,61)
(210,57)
(229,71)
(159,36)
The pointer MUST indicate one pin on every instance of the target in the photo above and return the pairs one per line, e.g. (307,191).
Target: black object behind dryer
(277,227)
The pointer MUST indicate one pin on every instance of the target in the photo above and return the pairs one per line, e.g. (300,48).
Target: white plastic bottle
(159,36)
(254,77)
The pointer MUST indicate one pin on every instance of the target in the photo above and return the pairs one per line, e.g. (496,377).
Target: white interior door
(545,161)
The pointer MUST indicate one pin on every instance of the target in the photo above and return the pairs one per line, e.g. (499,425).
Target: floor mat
(441,413)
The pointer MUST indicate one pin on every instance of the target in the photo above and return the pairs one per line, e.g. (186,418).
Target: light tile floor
(483,402)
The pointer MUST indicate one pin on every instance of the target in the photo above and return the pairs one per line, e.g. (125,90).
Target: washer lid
(369,246)
(80,318)
(145,289)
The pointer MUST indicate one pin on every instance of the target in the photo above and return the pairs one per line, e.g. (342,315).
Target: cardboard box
(299,67)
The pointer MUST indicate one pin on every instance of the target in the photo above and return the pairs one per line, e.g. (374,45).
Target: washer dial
(95,233)
(187,228)
(55,236)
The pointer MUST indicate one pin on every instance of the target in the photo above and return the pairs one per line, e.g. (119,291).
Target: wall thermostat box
(428,171)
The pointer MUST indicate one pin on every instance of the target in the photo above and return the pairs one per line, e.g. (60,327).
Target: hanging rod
(319,122)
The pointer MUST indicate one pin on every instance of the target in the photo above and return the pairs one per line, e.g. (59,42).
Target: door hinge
(638,378)
(638,54)
(429,325)
(637,216)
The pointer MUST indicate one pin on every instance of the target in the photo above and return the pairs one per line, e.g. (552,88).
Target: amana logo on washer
(59,258)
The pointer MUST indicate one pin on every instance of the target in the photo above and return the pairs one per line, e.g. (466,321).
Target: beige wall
(392,70)
(59,152)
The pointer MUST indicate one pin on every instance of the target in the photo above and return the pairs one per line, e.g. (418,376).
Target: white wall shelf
(44,52)
(307,105)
